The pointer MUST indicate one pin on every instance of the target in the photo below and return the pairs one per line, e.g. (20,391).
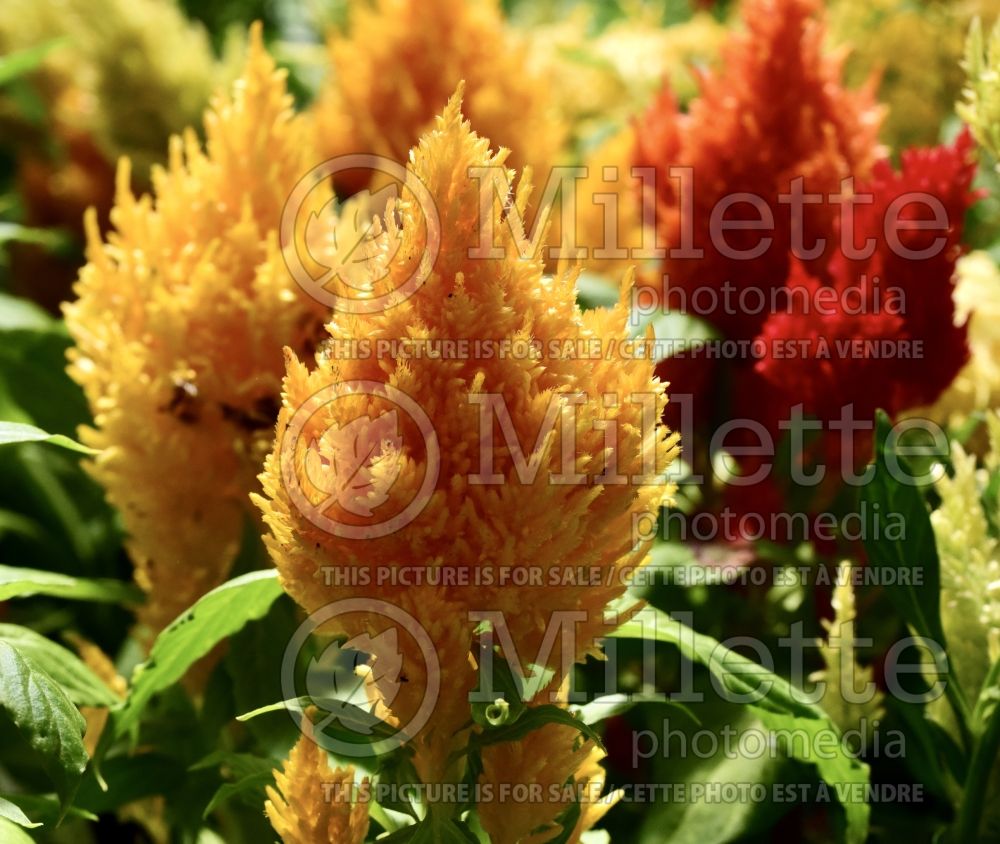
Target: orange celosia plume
(314,803)
(476,530)
(401,60)
(568,771)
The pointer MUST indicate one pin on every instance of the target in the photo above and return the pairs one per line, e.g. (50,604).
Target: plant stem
(980,768)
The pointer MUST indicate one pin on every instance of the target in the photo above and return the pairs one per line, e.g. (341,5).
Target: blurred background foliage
(81,86)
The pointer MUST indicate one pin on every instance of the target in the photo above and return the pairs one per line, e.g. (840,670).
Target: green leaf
(214,617)
(915,588)
(252,673)
(53,240)
(533,718)
(46,717)
(433,830)
(129,778)
(232,764)
(35,386)
(976,792)
(248,774)
(596,291)
(19,432)
(506,685)
(11,833)
(249,787)
(345,722)
(910,565)
(24,61)
(677,333)
(609,706)
(80,684)
(14,813)
(778,704)
(17,314)
(698,819)
(567,820)
(731,669)
(16,582)
(15,523)
(45,808)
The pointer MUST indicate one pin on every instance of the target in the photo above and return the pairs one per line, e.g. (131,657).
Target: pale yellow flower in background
(845,679)
(970,589)
(970,566)
(603,80)
(980,106)
(916,49)
(609,209)
(130,74)
(977,385)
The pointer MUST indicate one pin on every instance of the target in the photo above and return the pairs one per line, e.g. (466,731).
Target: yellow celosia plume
(521,371)
(970,566)
(179,326)
(314,803)
(844,677)
(399,63)
(980,106)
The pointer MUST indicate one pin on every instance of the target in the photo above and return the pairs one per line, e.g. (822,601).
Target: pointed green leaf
(779,704)
(24,61)
(11,833)
(19,432)
(14,813)
(916,587)
(16,582)
(46,717)
(80,684)
(214,617)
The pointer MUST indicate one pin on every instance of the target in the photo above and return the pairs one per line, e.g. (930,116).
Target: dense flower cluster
(924,310)
(400,60)
(977,305)
(775,113)
(914,50)
(825,291)
(552,757)
(468,526)
(970,565)
(449,438)
(980,106)
(313,803)
(179,324)
(970,585)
